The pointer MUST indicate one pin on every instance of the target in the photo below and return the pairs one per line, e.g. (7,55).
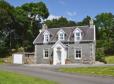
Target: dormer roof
(46,32)
(77,30)
(61,31)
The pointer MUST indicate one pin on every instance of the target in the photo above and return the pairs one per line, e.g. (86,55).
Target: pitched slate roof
(87,34)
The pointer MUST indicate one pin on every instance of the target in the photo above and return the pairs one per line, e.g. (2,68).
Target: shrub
(100,56)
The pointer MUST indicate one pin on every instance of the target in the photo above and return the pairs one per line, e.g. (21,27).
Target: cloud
(51,17)
(69,13)
(62,2)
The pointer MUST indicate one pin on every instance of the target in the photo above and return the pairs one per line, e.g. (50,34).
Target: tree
(85,21)
(28,28)
(61,22)
(105,28)
(7,22)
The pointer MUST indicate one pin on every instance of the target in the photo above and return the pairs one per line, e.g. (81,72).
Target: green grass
(1,61)
(101,71)
(13,78)
(109,59)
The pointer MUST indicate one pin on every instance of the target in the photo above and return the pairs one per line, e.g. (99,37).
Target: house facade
(66,45)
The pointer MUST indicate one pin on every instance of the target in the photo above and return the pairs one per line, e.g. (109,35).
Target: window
(46,38)
(77,53)
(61,36)
(78,36)
(45,53)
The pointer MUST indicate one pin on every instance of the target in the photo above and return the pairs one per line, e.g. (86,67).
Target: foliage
(109,59)
(61,22)
(28,28)
(13,78)
(103,71)
(85,21)
(6,22)
(16,28)
(100,56)
(105,27)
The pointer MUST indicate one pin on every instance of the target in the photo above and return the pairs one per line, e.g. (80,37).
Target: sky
(75,10)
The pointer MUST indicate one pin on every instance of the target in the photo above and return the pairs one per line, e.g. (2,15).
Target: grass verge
(100,71)
(109,59)
(1,61)
(13,78)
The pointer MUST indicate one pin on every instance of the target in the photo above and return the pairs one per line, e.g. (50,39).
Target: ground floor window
(78,53)
(45,53)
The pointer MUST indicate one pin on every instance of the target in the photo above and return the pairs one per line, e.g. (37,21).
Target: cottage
(65,45)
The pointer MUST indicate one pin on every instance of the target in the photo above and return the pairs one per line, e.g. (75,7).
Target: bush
(100,56)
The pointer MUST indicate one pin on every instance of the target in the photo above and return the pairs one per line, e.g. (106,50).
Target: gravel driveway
(61,78)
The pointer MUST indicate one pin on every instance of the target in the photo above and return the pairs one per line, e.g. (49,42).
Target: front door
(59,55)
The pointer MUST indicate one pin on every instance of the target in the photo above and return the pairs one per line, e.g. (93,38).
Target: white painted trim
(44,53)
(46,32)
(61,31)
(63,53)
(59,42)
(75,52)
(77,30)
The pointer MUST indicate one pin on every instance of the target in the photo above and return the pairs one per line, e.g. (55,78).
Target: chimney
(44,27)
(91,23)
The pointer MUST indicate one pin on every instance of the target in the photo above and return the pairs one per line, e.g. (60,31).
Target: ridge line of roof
(68,27)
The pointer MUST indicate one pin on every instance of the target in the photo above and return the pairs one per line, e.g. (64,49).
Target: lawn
(101,71)
(109,59)
(1,61)
(13,78)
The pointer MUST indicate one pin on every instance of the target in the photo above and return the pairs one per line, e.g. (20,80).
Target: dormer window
(46,36)
(61,35)
(77,34)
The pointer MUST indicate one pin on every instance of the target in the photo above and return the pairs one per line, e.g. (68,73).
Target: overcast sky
(72,9)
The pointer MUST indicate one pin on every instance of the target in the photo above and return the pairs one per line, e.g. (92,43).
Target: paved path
(61,78)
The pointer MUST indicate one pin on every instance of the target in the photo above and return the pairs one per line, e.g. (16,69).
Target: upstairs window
(46,37)
(61,35)
(77,34)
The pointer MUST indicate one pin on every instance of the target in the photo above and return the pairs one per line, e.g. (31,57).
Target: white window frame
(61,36)
(46,38)
(44,53)
(77,49)
(77,31)
(78,37)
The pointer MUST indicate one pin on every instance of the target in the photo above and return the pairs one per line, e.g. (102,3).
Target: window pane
(61,36)
(46,53)
(78,53)
(78,38)
(77,34)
